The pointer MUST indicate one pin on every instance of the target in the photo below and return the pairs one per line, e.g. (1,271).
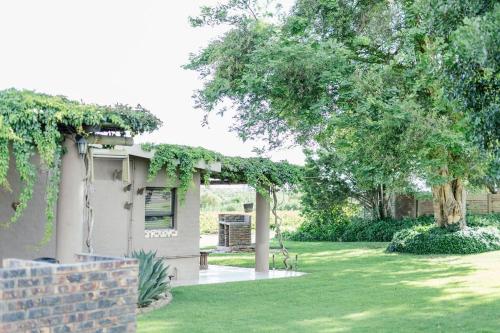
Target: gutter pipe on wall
(131,215)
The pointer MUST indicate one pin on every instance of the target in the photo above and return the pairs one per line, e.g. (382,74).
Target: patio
(221,274)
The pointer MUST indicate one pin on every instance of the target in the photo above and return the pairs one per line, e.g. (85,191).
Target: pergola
(231,171)
(262,174)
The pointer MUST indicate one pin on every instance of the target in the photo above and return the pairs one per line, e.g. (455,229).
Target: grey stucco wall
(114,224)
(21,239)
(117,230)
(181,251)
(111,219)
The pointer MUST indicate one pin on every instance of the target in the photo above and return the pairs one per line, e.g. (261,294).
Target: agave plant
(152,277)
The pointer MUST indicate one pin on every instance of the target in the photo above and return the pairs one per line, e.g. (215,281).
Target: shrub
(318,231)
(341,228)
(362,230)
(484,220)
(428,239)
(353,230)
(321,227)
(152,277)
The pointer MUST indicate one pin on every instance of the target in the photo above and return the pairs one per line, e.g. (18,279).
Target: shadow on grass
(353,287)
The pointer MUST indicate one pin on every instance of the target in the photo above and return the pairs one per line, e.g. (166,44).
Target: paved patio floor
(222,274)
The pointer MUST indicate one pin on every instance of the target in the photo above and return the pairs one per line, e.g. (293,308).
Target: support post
(262,211)
(70,206)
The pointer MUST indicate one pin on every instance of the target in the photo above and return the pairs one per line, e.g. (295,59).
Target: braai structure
(235,231)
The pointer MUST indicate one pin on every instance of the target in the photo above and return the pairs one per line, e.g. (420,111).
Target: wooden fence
(482,203)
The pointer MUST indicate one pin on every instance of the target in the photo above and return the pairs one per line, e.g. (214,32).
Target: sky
(118,51)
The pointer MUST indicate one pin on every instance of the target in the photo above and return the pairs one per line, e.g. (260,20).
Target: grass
(352,287)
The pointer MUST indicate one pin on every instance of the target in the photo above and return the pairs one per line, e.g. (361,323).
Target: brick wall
(404,206)
(240,234)
(242,218)
(235,230)
(96,294)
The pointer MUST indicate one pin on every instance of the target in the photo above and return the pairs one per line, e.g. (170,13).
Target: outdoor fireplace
(235,231)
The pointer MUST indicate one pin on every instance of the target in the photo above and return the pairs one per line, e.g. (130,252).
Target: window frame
(172,215)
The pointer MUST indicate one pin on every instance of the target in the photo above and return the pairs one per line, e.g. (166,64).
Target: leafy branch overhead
(260,173)
(32,123)
(393,91)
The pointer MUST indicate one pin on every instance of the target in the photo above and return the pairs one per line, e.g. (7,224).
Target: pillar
(70,206)
(262,211)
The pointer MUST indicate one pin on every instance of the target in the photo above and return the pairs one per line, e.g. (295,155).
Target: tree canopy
(394,90)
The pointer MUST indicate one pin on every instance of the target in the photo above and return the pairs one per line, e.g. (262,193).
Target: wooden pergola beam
(224,182)
(109,140)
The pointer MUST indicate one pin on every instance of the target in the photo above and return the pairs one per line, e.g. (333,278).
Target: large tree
(380,85)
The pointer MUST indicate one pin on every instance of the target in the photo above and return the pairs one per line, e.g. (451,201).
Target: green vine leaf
(260,173)
(27,174)
(179,162)
(52,194)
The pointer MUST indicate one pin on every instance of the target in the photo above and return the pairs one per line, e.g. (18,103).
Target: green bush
(363,230)
(484,220)
(152,277)
(341,228)
(328,226)
(353,230)
(428,239)
(318,231)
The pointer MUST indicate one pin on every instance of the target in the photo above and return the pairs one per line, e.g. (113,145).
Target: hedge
(427,239)
(363,230)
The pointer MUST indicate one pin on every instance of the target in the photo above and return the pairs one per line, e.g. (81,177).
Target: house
(108,205)
(63,193)
(122,211)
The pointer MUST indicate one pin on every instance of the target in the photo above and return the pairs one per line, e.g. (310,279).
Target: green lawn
(352,287)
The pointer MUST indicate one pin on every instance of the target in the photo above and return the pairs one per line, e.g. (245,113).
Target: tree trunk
(381,198)
(449,202)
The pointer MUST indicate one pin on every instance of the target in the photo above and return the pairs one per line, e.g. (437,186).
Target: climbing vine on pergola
(32,123)
(260,173)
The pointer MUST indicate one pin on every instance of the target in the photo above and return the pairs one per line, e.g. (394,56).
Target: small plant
(152,277)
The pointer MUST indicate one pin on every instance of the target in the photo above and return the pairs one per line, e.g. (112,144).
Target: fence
(482,203)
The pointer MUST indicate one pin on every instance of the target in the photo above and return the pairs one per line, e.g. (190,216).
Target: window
(160,203)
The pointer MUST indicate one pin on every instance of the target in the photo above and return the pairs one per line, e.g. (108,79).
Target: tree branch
(247,4)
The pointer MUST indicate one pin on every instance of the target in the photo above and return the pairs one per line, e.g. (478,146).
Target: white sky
(117,51)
